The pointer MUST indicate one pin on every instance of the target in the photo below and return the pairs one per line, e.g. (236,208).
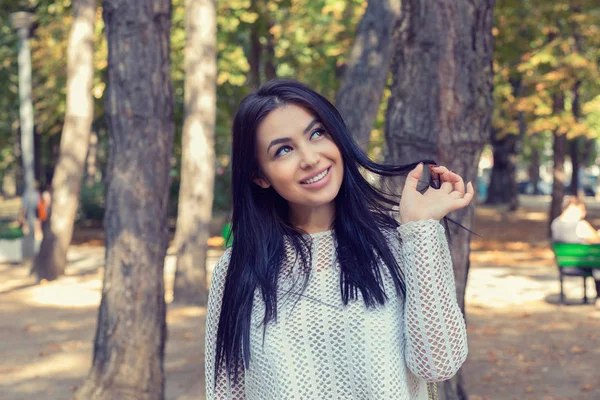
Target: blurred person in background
(571,227)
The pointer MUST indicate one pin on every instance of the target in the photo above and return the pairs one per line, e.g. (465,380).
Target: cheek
(333,151)
(337,157)
(281,175)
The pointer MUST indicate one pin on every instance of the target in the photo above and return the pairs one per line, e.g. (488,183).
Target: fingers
(413,177)
(447,187)
(448,176)
(466,199)
(453,185)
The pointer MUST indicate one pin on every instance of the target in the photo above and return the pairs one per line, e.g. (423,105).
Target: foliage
(91,203)
(48,42)
(544,48)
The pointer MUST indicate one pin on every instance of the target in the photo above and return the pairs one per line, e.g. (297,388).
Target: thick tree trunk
(366,74)
(66,182)
(198,156)
(131,330)
(441,105)
(560,150)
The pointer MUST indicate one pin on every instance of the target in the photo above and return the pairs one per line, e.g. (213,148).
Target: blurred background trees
(541,48)
(68,172)
(198,155)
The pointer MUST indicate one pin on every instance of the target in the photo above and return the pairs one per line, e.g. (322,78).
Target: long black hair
(260,223)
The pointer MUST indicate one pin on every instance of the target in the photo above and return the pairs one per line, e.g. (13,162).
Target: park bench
(576,259)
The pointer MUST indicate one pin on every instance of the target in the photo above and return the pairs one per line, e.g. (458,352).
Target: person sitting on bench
(571,227)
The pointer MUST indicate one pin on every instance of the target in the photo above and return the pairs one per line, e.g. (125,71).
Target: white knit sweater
(321,349)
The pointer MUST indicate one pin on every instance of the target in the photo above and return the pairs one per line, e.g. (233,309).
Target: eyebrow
(287,139)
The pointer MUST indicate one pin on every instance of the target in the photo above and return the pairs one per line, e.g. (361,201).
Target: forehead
(286,121)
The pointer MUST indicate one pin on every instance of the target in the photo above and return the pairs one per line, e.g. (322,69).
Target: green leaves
(544,47)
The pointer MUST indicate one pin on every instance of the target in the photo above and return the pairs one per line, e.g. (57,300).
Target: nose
(310,158)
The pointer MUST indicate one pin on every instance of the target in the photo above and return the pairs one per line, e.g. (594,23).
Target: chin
(324,199)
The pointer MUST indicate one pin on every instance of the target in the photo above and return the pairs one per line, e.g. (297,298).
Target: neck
(313,219)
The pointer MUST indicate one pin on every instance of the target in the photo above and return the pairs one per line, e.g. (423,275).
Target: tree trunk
(575,144)
(441,105)
(198,156)
(534,167)
(503,182)
(66,182)
(503,178)
(130,335)
(558,173)
(366,74)
(574,155)
(255,48)
(270,69)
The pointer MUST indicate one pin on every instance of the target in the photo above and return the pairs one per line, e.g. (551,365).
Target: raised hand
(434,203)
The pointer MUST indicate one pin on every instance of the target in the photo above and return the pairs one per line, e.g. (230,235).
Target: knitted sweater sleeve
(223,388)
(436,336)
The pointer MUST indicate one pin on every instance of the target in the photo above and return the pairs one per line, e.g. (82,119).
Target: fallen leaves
(577,350)
(587,388)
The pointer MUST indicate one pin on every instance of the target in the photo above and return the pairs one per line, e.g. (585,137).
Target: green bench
(575,259)
(227,235)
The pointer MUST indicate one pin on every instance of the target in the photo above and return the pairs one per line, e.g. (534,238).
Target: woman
(323,295)
(571,227)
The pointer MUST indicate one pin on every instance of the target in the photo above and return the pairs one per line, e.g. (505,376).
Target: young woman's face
(298,158)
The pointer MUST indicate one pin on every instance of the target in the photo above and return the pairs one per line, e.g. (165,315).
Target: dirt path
(48,331)
(522,344)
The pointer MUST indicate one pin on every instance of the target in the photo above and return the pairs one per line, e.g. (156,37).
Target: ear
(262,182)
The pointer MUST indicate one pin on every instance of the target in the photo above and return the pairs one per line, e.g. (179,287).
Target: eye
(282,151)
(317,133)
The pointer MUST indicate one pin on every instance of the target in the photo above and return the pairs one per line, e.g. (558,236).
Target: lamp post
(22,22)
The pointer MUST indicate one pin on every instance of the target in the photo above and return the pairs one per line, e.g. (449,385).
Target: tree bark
(130,335)
(503,182)
(441,106)
(366,74)
(255,48)
(270,69)
(534,167)
(198,155)
(502,188)
(575,156)
(558,173)
(575,143)
(66,182)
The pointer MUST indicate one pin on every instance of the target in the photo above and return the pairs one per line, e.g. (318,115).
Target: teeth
(318,177)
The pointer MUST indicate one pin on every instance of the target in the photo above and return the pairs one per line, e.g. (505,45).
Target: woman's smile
(318,180)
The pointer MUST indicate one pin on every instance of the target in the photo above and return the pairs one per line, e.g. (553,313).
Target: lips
(316,177)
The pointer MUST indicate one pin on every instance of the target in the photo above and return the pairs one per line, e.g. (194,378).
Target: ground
(522,343)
